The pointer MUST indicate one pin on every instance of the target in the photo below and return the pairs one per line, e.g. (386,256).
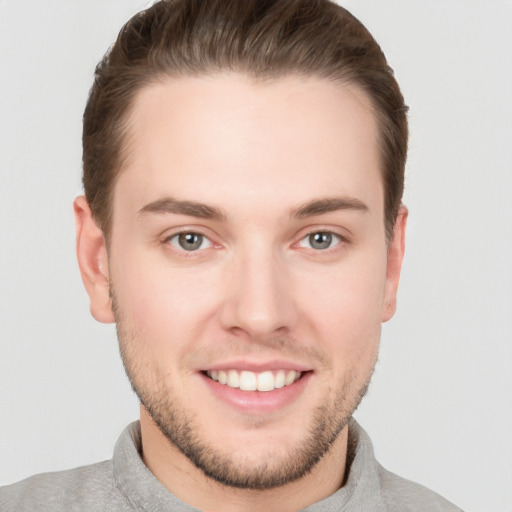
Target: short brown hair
(261,38)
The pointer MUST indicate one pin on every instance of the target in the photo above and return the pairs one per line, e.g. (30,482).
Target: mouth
(245,380)
(262,388)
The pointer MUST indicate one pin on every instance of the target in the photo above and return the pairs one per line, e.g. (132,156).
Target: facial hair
(179,423)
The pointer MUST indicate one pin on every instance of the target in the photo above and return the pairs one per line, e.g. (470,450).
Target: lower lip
(258,402)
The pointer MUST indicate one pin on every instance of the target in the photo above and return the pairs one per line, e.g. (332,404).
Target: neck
(188,483)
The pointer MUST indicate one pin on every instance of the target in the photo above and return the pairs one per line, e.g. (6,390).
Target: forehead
(226,136)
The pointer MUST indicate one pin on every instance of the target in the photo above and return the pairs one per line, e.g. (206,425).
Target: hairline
(163,77)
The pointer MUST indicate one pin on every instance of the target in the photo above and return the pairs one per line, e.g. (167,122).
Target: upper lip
(257,366)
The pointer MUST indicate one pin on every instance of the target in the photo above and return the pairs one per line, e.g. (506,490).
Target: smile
(252,381)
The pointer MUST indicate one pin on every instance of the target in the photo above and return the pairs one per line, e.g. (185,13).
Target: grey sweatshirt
(125,484)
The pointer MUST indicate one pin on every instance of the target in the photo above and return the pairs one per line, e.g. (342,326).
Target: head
(258,38)
(243,169)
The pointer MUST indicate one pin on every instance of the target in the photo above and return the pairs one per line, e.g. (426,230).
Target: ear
(91,250)
(394,264)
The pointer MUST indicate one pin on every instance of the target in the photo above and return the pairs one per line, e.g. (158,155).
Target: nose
(259,300)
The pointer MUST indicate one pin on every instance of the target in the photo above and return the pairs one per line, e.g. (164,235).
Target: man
(242,225)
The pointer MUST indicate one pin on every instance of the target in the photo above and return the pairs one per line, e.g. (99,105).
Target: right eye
(189,241)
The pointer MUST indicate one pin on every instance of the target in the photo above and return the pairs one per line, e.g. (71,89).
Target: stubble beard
(179,426)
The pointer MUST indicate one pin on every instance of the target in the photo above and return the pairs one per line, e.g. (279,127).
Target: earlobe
(394,264)
(91,250)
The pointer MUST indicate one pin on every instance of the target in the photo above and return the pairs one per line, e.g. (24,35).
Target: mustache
(275,347)
(278,345)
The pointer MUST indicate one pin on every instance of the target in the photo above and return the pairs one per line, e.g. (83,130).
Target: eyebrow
(191,208)
(327,205)
(204,211)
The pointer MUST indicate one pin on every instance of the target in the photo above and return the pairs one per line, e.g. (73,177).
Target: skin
(257,293)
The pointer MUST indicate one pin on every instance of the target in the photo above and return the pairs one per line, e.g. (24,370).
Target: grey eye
(189,241)
(320,240)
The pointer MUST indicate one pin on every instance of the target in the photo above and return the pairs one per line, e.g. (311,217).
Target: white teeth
(279,380)
(290,378)
(233,379)
(266,381)
(248,381)
(251,381)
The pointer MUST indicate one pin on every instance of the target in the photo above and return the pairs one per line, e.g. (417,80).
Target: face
(248,268)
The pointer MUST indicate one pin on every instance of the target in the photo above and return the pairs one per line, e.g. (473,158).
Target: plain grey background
(439,410)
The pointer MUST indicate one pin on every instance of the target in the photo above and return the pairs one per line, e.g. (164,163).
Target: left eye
(190,241)
(320,240)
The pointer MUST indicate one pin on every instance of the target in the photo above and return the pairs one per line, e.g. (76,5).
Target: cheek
(344,310)
(161,304)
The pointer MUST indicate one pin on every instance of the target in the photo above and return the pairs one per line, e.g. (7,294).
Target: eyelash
(336,238)
(184,252)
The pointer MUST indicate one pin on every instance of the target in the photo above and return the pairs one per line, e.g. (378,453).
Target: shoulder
(83,488)
(400,494)
(376,488)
